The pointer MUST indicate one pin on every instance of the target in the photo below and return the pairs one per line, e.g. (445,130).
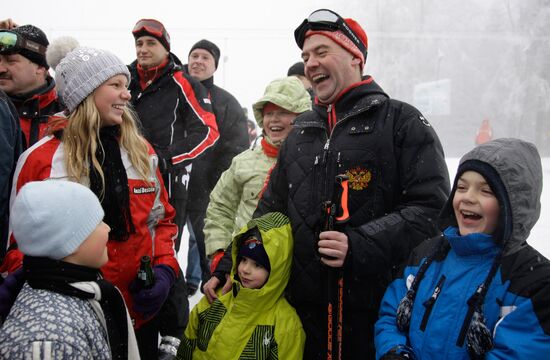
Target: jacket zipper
(429,304)
(332,123)
(314,191)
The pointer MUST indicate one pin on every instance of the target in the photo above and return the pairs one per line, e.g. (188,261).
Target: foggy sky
(458,61)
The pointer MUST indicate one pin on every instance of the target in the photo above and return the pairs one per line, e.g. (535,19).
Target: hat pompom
(59,48)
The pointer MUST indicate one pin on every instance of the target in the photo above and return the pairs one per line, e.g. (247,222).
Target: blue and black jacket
(516,303)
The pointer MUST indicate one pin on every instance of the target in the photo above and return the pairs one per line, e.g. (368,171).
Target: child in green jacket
(254,320)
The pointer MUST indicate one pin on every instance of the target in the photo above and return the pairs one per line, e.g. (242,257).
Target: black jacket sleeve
(201,127)
(233,135)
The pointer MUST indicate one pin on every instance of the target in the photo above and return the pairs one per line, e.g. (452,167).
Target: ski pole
(336,215)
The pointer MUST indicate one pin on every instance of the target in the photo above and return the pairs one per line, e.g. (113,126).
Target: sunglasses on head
(12,43)
(151,26)
(326,20)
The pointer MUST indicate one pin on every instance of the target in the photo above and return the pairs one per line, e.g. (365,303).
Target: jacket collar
(353,96)
(173,65)
(207,83)
(353,100)
(476,244)
(30,104)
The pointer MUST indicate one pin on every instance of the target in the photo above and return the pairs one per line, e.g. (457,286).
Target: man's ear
(356,61)
(42,71)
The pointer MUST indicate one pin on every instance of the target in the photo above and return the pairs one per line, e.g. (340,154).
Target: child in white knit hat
(98,144)
(65,308)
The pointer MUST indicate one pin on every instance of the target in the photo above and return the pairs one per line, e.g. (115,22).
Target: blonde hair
(81,140)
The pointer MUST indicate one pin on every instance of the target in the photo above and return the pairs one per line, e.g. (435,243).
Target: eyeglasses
(151,26)
(12,43)
(326,20)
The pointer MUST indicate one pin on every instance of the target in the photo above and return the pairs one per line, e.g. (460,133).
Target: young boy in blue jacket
(479,290)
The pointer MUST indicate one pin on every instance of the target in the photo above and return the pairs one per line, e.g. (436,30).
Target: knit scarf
(269,149)
(116,199)
(57,276)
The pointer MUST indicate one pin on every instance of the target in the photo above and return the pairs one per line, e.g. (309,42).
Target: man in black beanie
(25,79)
(203,60)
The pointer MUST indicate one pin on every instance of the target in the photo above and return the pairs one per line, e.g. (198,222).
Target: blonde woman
(98,145)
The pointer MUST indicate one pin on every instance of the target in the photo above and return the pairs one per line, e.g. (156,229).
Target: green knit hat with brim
(288,93)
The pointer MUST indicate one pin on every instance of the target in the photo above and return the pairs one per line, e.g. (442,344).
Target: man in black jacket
(398,181)
(203,60)
(176,118)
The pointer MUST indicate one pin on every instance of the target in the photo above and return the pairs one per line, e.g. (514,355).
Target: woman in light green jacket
(252,321)
(238,190)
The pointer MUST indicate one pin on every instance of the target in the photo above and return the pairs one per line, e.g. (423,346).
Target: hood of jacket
(518,165)
(288,93)
(276,234)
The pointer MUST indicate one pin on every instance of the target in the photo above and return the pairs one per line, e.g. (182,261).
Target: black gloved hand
(400,352)
(149,301)
(165,161)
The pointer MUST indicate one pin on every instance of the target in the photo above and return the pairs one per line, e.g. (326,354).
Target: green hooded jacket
(235,196)
(250,323)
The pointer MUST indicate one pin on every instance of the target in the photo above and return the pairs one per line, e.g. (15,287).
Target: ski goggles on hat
(150,26)
(13,43)
(326,20)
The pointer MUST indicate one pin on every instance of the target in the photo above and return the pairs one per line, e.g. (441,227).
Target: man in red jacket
(25,79)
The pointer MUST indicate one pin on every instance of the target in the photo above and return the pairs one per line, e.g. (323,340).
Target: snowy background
(458,61)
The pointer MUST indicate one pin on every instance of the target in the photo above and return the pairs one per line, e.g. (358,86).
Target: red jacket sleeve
(33,165)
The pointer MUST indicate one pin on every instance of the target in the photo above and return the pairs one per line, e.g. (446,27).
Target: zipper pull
(325,151)
(330,120)
(437,290)
(316,162)
(325,148)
